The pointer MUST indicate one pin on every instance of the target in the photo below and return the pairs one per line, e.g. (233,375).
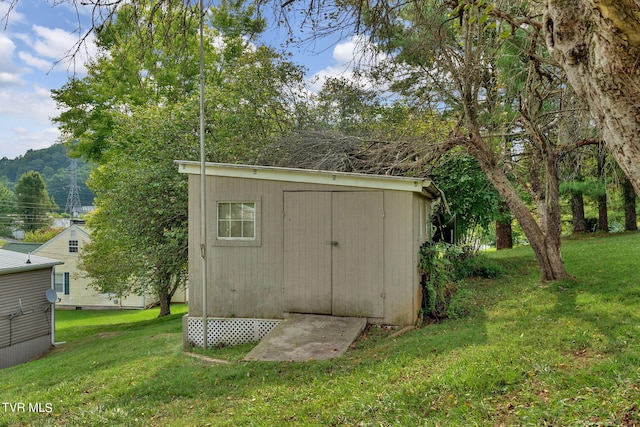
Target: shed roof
(348,179)
(13,262)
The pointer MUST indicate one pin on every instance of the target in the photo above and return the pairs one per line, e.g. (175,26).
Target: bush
(43,235)
(442,267)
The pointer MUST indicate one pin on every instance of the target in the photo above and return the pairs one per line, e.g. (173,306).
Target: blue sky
(35,41)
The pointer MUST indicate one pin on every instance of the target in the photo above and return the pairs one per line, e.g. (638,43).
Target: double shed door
(333,253)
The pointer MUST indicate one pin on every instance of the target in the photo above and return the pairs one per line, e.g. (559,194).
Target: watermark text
(39,407)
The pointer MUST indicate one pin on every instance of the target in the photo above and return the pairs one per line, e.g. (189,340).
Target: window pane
(236,220)
(224,211)
(236,229)
(248,211)
(58,282)
(236,210)
(248,229)
(223,229)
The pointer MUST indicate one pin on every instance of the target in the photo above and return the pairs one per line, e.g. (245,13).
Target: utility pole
(73,199)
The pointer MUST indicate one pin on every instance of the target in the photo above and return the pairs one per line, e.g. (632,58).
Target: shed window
(236,220)
(73,246)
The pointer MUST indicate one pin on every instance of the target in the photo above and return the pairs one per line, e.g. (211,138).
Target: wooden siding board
(26,289)
(398,232)
(358,273)
(307,257)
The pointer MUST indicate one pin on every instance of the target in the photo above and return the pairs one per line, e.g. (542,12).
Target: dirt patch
(207,359)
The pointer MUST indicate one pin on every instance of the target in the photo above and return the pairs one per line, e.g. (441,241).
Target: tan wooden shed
(287,240)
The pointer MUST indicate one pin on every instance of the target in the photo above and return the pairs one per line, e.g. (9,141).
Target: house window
(61,283)
(73,246)
(237,220)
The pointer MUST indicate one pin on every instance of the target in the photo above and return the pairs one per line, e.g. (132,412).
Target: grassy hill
(565,353)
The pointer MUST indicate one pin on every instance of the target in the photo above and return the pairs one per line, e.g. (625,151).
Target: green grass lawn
(557,354)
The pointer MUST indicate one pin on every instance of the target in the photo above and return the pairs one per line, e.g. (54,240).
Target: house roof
(13,262)
(21,247)
(349,179)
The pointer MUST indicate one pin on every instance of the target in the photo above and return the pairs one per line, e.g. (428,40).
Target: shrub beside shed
(287,240)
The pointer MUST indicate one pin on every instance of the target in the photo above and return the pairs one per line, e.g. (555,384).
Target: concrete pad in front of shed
(308,337)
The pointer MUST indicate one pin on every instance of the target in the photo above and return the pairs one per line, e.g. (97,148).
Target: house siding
(80,293)
(25,335)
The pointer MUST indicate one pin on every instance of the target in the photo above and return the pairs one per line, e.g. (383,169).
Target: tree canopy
(139,231)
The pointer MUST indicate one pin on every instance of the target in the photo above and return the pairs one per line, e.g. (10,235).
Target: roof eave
(347,179)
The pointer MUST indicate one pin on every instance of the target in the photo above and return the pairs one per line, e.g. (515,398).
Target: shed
(285,240)
(26,316)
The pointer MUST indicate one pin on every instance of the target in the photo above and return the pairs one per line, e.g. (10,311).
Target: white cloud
(34,104)
(9,15)
(43,65)
(17,140)
(346,56)
(10,79)
(9,73)
(57,47)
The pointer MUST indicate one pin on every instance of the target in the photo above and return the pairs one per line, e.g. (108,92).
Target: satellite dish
(52,296)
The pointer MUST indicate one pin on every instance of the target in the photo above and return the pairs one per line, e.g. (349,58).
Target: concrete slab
(304,337)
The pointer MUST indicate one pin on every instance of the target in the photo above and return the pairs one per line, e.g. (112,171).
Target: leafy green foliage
(443,266)
(42,235)
(151,118)
(7,208)
(53,165)
(33,202)
(470,195)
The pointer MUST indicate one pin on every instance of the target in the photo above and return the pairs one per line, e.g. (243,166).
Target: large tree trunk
(630,216)
(597,43)
(603,216)
(504,231)
(545,243)
(577,210)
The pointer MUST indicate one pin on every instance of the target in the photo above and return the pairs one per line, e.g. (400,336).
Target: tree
(140,237)
(598,44)
(139,231)
(630,215)
(479,67)
(7,209)
(33,201)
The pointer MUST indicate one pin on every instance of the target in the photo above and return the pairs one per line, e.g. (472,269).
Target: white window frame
(241,219)
(257,220)
(76,246)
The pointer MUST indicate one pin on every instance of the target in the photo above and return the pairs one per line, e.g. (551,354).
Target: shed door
(333,253)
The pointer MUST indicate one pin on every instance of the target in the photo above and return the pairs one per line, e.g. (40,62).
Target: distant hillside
(53,164)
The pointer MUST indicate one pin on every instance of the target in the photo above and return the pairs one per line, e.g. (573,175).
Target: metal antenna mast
(73,199)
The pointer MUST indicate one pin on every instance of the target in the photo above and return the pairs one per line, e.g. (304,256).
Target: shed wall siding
(358,263)
(398,232)
(24,351)
(247,281)
(27,289)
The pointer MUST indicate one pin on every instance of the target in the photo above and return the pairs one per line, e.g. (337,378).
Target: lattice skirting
(232,331)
